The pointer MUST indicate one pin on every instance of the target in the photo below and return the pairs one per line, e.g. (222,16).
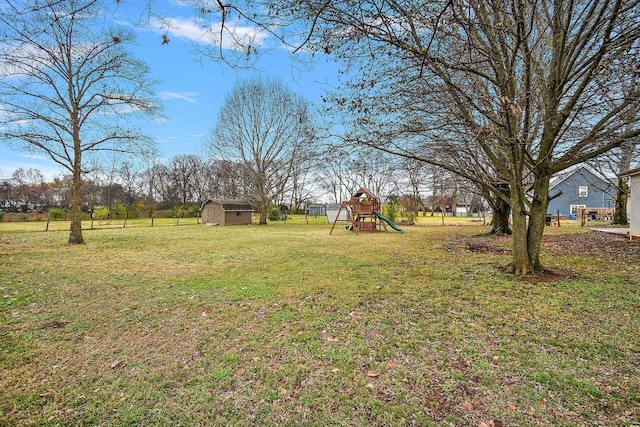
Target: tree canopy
(512,91)
(69,86)
(266,128)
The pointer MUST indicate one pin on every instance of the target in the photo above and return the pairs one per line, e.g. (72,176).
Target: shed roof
(230,205)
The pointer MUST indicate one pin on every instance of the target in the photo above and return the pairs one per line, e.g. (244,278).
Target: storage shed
(317,210)
(333,211)
(633,204)
(226,212)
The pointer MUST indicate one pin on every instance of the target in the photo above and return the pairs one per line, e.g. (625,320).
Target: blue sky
(191,88)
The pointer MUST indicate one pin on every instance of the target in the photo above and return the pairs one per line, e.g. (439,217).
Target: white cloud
(190,97)
(232,36)
(46,166)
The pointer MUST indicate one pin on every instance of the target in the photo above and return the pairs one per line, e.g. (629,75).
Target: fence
(100,224)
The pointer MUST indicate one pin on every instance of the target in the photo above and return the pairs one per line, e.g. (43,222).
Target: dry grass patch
(286,325)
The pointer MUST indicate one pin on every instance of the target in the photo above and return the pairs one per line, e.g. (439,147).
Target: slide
(388,221)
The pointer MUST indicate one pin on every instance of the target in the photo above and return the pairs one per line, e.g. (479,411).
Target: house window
(583,191)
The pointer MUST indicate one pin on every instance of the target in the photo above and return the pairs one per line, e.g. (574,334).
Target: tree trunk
(521,262)
(263,213)
(537,220)
(501,209)
(75,233)
(500,220)
(528,228)
(620,214)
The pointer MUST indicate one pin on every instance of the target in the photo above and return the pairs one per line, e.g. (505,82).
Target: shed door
(211,214)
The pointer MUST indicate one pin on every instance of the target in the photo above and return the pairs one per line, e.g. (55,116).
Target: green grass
(286,325)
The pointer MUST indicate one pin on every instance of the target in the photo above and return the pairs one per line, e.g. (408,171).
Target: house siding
(633,204)
(601,194)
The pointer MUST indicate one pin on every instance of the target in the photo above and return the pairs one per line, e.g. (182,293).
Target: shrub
(120,211)
(140,208)
(191,210)
(177,212)
(274,213)
(56,213)
(390,210)
(409,209)
(100,212)
(1,215)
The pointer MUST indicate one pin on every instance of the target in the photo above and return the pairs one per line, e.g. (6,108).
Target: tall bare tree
(265,127)
(29,187)
(528,83)
(68,86)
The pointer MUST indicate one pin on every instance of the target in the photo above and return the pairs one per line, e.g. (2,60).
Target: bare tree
(343,171)
(265,127)
(128,173)
(303,183)
(336,175)
(7,200)
(227,179)
(628,155)
(68,87)
(182,174)
(29,187)
(160,186)
(416,176)
(526,81)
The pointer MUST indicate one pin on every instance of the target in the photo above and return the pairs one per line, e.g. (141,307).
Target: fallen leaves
(329,338)
(118,364)
(47,394)
(467,405)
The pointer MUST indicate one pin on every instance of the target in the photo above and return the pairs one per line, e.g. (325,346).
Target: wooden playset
(363,214)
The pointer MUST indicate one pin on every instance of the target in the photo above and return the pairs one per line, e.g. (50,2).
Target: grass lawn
(286,325)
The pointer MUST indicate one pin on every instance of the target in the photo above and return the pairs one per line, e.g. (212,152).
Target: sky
(191,88)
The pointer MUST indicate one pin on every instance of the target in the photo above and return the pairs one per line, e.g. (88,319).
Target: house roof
(631,172)
(230,205)
(558,179)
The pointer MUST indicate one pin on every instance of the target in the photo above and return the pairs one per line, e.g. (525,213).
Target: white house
(633,204)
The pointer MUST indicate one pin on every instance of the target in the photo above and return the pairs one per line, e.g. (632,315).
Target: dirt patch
(549,276)
(614,247)
(596,244)
(54,325)
(480,244)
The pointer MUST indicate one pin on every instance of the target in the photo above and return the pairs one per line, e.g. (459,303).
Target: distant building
(59,197)
(317,210)
(333,211)
(226,212)
(581,189)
